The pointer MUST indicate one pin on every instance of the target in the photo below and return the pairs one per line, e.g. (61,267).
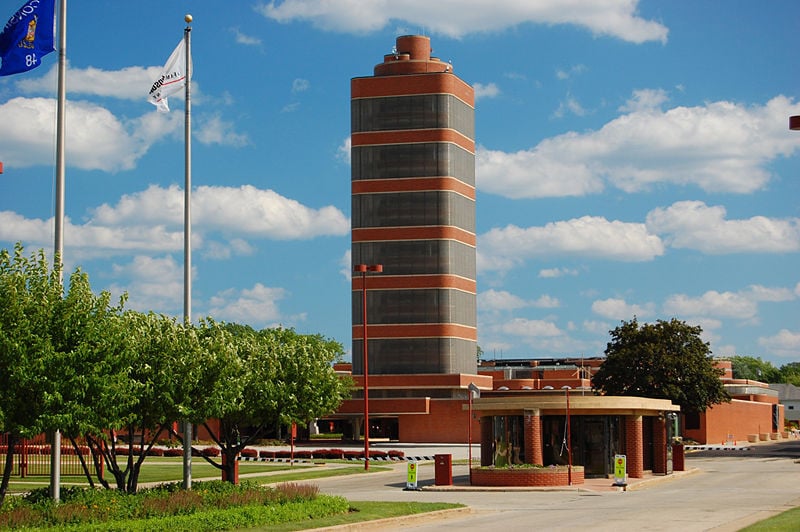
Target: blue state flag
(28,36)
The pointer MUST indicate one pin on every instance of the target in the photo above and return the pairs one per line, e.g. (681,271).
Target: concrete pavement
(721,492)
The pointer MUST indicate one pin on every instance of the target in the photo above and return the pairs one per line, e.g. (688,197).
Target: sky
(633,160)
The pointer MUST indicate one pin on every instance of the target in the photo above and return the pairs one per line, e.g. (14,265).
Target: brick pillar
(533,437)
(659,446)
(634,446)
(678,458)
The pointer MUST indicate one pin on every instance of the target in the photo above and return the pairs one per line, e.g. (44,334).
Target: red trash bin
(443,472)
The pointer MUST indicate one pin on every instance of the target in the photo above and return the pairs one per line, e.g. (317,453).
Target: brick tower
(413,212)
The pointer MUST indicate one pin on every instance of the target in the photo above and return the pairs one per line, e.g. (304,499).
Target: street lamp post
(363,269)
(569,439)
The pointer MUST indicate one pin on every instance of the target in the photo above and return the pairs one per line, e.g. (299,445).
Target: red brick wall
(634,443)
(737,418)
(446,423)
(526,477)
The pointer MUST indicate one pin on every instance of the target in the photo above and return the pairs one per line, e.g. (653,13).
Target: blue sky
(633,159)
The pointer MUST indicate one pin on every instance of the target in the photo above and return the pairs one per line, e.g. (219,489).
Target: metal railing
(32,457)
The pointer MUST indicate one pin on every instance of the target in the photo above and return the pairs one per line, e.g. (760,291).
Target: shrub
(174,451)
(155,451)
(210,451)
(267,454)
(250,453)
(329,454)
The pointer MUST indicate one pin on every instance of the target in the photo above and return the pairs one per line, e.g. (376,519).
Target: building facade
(413,212)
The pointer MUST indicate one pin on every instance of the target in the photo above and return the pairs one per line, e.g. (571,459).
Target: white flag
(172,79)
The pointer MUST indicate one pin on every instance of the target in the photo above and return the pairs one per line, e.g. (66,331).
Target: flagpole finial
(188,18)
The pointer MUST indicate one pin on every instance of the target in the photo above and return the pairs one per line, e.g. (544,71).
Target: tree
(262,379)
(29,291)
(790,373)
(90,369)
(665,360)
(753,368)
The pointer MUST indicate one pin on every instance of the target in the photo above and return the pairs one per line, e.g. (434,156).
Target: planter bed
(526,476)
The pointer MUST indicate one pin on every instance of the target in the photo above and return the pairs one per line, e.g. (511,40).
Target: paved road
(727,491)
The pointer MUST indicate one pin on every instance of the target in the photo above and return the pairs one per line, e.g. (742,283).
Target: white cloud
(570,105)
(346,263)
(130,83)
(96,139)
(300,85)
(645,100)
(499,300)
(152,220)
(215,130)
(694,225)
(530,328)
(256,305)
(489,90)
(742,305)
(151,283)
(614,308)
(247,40)
(565,74)
(546,301)
(245,210)
(551,273)
(343,153)
(719,147)
(225,250)
(596,327)
(455,19)
(503,248)
(784,344)
(546,171)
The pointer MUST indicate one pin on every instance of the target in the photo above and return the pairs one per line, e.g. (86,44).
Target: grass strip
(785,521)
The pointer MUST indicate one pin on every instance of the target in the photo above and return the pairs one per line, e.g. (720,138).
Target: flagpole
(187,236)
(55,448)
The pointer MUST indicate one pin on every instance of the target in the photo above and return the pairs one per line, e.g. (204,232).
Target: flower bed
(526,476)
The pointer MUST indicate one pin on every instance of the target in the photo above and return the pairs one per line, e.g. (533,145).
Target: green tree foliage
(747,367)
(753,368)
(29,293)
(665,360)
(91,369)
(266,378)
(164,359)
(790,373)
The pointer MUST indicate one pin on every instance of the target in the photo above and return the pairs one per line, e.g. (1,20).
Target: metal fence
(32,457)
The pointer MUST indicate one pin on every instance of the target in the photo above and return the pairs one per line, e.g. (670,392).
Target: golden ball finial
(188,19)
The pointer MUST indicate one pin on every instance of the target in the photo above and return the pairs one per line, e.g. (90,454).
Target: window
(424,159)
(409,209)
(692,421)
(420,111)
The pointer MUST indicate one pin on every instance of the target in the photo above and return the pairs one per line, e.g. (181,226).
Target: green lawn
(786,521)
(170,469)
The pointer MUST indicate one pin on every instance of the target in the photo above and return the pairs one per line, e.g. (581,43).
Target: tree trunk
(229,463)
(84,467)
(12,443)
